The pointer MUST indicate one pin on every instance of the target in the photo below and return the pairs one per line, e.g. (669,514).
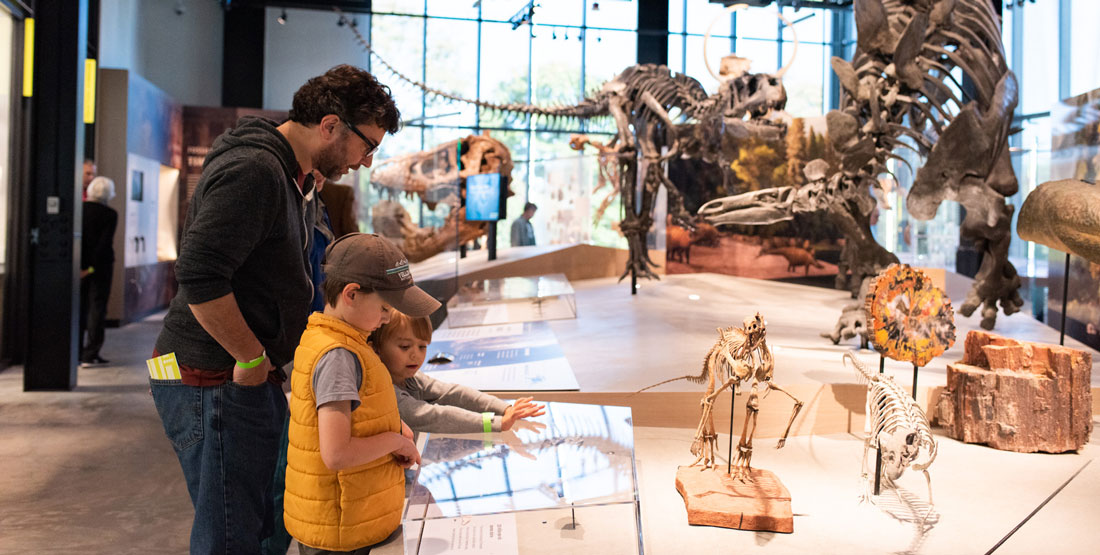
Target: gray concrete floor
(90,471)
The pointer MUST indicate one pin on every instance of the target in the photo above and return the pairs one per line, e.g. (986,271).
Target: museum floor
(89,471)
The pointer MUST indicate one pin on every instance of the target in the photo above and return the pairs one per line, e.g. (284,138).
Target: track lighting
(282,18)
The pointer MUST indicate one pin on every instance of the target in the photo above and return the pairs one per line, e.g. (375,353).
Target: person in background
(97,264)
(523,233)
(431,405)
(89,175)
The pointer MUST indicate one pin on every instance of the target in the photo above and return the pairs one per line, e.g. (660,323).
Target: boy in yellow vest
(345,484)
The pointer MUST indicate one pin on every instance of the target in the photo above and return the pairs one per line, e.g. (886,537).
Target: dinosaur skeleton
(896,425)
(899,92)
(434,176)
(641,100)
(739,355)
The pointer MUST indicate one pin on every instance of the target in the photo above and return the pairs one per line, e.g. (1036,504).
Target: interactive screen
(484,202)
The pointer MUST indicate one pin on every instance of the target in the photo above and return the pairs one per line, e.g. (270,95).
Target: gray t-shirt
(430,405)
(338,377)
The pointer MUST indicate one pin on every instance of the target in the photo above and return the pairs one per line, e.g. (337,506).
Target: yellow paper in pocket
(164,367)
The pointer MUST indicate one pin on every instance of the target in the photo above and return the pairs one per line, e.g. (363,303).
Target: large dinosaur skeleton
(896,425)
(739,355)
(642,100)
(900,93)
(434,176)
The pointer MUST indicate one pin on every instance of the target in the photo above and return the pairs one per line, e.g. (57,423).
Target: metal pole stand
(915,368)
(733,405)
(1065,301)
(878,450)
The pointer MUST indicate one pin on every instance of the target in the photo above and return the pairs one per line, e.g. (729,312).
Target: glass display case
(562,482)
(512,300)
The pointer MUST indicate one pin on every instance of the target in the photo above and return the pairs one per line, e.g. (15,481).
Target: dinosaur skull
(754,329)
(898,451)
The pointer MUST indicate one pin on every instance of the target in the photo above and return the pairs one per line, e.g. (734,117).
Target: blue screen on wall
(483,198)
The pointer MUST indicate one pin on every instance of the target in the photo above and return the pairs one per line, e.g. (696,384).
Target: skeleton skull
(899,449)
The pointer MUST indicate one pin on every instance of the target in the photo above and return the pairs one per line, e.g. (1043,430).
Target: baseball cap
(373,261)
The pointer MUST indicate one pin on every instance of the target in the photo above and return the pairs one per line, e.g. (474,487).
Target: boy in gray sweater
(430,405)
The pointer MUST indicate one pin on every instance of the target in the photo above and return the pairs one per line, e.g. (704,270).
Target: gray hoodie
(245,234)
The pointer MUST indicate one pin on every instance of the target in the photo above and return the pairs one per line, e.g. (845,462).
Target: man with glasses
(244,297)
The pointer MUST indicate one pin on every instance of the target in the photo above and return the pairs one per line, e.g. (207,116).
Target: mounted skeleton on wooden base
(741,354)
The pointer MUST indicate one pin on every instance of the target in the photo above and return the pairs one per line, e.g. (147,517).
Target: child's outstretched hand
(522,408)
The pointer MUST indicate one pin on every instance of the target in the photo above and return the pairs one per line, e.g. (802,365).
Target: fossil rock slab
(1018,396)
(714,498)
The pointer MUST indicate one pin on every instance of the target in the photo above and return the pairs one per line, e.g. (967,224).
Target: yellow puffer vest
(355,507)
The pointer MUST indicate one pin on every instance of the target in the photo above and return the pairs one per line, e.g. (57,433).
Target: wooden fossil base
(714,498)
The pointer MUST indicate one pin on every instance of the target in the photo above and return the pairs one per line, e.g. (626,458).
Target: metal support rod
(878,450)
(733,405)
(915,382)
(1065,301)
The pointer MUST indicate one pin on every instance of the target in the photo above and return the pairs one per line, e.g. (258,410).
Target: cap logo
(402,270)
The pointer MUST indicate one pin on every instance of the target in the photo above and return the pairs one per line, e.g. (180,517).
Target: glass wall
(473,51)
(759,35)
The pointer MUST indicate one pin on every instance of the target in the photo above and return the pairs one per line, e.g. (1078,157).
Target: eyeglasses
(372,147)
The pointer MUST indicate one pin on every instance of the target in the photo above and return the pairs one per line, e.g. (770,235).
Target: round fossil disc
(911,320)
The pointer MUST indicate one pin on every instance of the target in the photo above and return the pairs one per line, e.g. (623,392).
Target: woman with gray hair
(97,261)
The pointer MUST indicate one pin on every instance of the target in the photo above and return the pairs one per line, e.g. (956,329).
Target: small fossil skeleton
(897,425)
(739,355)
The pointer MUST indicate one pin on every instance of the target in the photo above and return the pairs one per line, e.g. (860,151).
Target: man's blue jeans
(227,440)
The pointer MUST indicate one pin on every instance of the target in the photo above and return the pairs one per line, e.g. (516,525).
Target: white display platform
(622,343)
(980,495)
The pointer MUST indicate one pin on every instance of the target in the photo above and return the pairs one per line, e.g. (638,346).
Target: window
(1084,44)
(474,52)
(754,33)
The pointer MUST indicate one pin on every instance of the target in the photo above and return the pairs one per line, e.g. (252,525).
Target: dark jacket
(97,242)
(245,234)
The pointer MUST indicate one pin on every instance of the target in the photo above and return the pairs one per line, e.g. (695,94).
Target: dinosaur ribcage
(892,409)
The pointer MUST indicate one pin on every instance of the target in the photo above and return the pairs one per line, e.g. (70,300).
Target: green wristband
(487,422)
(254,362)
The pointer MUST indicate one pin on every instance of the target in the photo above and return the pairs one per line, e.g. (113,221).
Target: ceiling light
(282,18)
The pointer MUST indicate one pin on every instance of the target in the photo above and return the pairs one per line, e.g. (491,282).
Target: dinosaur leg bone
(706,439)
(794,413)
(927,479)
(744,447)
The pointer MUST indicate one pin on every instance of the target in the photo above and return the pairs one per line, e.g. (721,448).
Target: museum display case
(565,478)
(515,299)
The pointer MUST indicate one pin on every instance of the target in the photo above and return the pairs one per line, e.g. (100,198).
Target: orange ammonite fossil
(910,319)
